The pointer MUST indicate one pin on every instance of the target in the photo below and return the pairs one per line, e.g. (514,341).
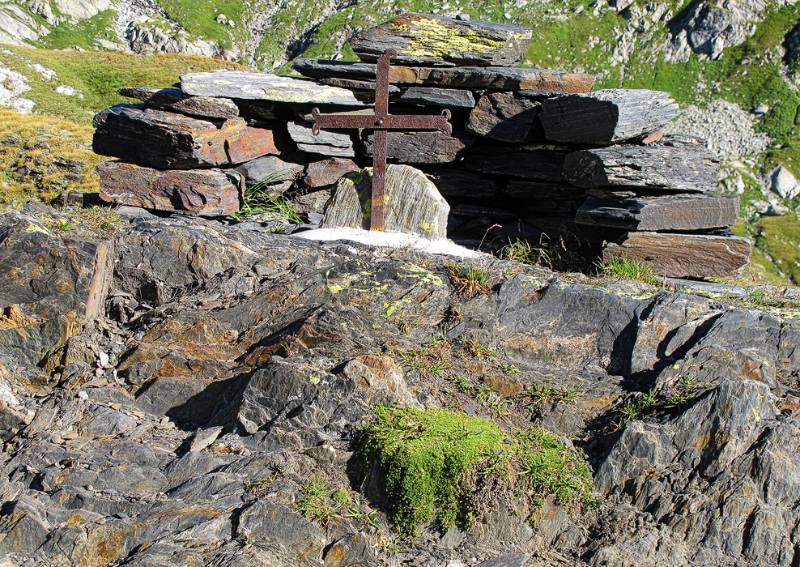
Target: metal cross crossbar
(381,121)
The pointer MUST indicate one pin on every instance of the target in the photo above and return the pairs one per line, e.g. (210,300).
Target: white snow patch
(390,240)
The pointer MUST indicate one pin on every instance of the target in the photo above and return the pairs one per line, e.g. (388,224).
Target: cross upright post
(381,122)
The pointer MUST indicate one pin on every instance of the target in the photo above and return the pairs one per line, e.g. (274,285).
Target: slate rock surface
(668,212)
(437,97)
(333,143)
(606,116)
(263,86)
(535,82)
(165,140)
(412,203)
(328,171)
(421,147)
(682,165)
(684,255)
(504,117)
(424,39)
(210,192)
(176,100)
(226,325)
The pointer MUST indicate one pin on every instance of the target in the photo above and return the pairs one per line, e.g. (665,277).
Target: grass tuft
(628,269)
(259,201)
(469,280)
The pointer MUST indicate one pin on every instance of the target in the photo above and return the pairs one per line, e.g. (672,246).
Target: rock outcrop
(188,391)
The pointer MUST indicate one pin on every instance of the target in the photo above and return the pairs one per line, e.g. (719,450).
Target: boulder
(667,165)
(424,39)
(533,81)
(606,117)
(783,183)
(264,86)
(503,116)
(684,255)
(326,143)
(436,96)
(667,212)
(412,203)
(421,147)
(208,192)
(176,100)
(164,140)
(325,172)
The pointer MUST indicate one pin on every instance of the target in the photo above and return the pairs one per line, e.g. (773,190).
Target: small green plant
(62,225)
(432,360)
(432,460)
(258,200)
(634,409)
(540,394)
(469,280)
(316,502)
(628,269)
(682,394)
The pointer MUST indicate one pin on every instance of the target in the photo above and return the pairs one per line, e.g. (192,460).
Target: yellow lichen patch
(13,317)
(431,38)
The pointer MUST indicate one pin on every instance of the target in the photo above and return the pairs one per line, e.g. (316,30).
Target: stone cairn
(534,153)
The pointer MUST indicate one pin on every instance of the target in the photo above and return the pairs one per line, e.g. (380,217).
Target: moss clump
(433,460)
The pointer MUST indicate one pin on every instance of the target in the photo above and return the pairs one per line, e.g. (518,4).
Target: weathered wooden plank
(421,147)
(207,192)
(165,140)
(684,255)
(682,164)
(658,213)
(264,86)
(533,81)
(607,116)
(504,117)
(424,39)
(176,100)
(544,164)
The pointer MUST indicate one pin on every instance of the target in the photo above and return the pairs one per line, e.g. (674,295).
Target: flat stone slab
(455,181)
(543,164)
(326,143)
(684,164)
(424,39)
(420,147)
(270,169)
(533,81)
(165,140)
(667,212)
(326,172)
(607,116)
(264,86)
(437,97)
(412,203)
(684,255)
(176,100)
(207,192)
(504,117)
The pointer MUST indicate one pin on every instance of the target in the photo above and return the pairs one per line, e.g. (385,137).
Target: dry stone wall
(535,153)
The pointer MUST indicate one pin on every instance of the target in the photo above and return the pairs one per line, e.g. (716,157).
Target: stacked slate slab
(534,153)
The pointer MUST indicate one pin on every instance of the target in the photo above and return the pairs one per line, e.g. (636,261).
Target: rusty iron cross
(381,121)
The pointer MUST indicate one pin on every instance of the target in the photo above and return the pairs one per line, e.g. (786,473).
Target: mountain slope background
(734,66)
